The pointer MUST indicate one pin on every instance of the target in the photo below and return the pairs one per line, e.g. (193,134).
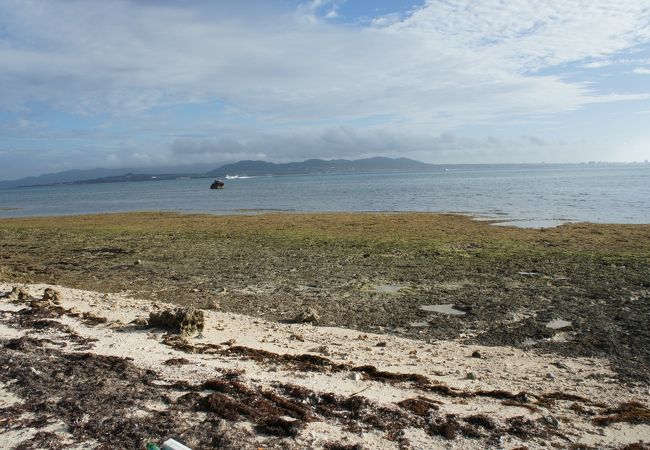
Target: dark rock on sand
(186,321)
(310,315)
(20,294)
(51,295)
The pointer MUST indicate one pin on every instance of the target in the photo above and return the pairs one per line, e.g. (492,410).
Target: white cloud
(462,61)
(348,142)
(289,75)
(642,71)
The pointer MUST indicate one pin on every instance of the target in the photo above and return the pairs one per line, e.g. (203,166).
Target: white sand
(447,362)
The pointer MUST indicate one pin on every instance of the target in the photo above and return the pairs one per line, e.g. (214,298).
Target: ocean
(520,195)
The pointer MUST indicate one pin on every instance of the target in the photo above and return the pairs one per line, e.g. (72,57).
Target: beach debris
(470,376)
(152,446)
(185,321)
(528,274)
(51,295)
(381,344)
(171,444)
(310,315)
(476,354)
(137,262)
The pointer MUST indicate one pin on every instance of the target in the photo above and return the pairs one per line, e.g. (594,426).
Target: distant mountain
(314,166)
(133,177)
(71,176)
(241,168)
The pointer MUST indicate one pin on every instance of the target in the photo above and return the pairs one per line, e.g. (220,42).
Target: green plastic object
(152,446)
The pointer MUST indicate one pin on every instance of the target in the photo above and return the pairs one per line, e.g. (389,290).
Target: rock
(323,350)
(381,344)
(185,321)
(137,262)
(51,295)
(19,294)
(470,376)
(550,421)
(476,354)
(356,376)
(310,315)
(140,321)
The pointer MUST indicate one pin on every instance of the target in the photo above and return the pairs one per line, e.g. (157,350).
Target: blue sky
(128,83)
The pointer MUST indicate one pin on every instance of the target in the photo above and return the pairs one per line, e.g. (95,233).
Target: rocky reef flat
(324,331)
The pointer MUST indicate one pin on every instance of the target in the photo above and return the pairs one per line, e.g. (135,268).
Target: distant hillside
(312,166)
(132,177)
(242,168)
(72,176)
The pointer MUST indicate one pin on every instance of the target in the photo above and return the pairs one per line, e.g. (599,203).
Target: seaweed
(176,362)
(481,420)
(279,426)
(630,412)
(420,406)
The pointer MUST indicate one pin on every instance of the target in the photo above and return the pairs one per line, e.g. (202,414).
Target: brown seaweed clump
(630,412)
(185,321)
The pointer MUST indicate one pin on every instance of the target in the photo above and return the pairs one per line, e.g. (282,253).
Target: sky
(135,83)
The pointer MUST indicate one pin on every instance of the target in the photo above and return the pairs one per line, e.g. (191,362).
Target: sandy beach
(360,390)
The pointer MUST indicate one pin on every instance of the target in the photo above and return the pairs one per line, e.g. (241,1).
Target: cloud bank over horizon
(124,83)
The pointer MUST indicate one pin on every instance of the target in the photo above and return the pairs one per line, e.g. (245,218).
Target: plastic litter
(152,446)
(171,444)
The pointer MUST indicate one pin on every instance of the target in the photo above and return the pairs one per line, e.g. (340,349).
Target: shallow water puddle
(387,288)
(558,324)
(443,309)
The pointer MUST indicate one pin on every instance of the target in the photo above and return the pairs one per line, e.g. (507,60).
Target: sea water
(527,195)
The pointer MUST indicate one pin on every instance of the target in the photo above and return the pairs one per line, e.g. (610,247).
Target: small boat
(232,177)
(217,184)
